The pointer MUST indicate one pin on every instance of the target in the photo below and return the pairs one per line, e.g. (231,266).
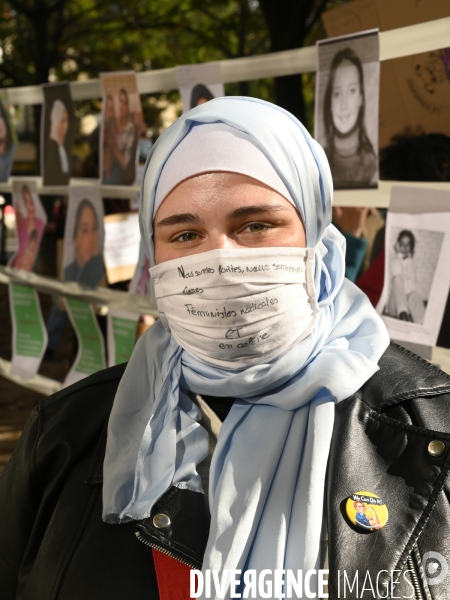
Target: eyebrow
(180,218)
(244,211)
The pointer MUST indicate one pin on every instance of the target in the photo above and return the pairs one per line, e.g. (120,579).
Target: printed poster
(31,220)
(122,240)
(29,339)
(417,277)
(122,126)
(84,237)
(346,108)
(91,350)
(121,330)
(8,142)
(58,125)
(199,84)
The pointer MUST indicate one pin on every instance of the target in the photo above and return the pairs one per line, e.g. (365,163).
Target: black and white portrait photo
(57,134)
(412,264)
(416,274)
(346,108)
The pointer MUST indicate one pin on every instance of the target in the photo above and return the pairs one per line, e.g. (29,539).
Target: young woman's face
(63,126)
(224,211)
(86,241)
(109,109)
(123,105)
(346,97)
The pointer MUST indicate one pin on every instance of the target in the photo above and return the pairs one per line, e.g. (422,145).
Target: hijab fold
(267,474)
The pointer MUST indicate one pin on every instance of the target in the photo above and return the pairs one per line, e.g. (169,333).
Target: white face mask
(237,308)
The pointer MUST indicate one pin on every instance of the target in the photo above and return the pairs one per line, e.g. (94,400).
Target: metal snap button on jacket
(436,448)
(161,521)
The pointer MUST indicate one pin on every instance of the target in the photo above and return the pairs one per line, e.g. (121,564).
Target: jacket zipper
(414,578)
(145,541)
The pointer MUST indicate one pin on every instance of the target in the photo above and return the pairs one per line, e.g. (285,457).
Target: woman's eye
(256,227)
(189,236)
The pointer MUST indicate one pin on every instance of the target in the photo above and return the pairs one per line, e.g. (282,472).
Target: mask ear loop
(310,288)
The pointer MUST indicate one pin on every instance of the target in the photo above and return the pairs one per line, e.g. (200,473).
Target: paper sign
(417,277)
(29,333)
(122,240)
(58,126)
(121,128)
(122,327)
(84,237)
(91,352)
(30,224)
(199,84)
(346,108)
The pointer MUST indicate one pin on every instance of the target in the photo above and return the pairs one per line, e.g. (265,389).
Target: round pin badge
(366,511)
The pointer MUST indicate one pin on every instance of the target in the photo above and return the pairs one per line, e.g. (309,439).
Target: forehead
(217,193)
(346,73)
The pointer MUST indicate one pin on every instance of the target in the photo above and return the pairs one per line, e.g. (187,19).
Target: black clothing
(89,274)
(53,174)
(54,544)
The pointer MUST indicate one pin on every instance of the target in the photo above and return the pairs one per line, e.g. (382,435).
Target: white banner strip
(378,198)
(134,303)
(396,43)
(38,383)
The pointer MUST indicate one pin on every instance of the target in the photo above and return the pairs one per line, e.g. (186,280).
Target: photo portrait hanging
(346,108)
(30,224)
(58,126)
(199,84)
(122,127)
(417,278)
(84,237)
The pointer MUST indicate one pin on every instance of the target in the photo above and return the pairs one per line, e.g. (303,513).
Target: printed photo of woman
(343,114)
(122,126)
(30,225)
(87,265)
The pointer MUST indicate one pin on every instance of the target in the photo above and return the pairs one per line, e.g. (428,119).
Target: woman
(258,330)
(122,143)
(109,134)
(30,229)
(87,267)
(404,301)
(57,161)
(349,151)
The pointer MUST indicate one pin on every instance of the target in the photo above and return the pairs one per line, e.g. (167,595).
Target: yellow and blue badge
(366,511)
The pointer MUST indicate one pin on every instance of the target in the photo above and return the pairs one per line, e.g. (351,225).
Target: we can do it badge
(366,511)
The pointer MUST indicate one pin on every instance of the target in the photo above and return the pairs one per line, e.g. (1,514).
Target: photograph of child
(30,224)
(412,265)
(57,134)
(346,108)
(84,237)
(122,127)
(8,144)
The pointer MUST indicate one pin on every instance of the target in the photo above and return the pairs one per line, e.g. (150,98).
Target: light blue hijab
(268,469)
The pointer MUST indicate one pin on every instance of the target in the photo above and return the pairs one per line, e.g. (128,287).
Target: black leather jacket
(54,545)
